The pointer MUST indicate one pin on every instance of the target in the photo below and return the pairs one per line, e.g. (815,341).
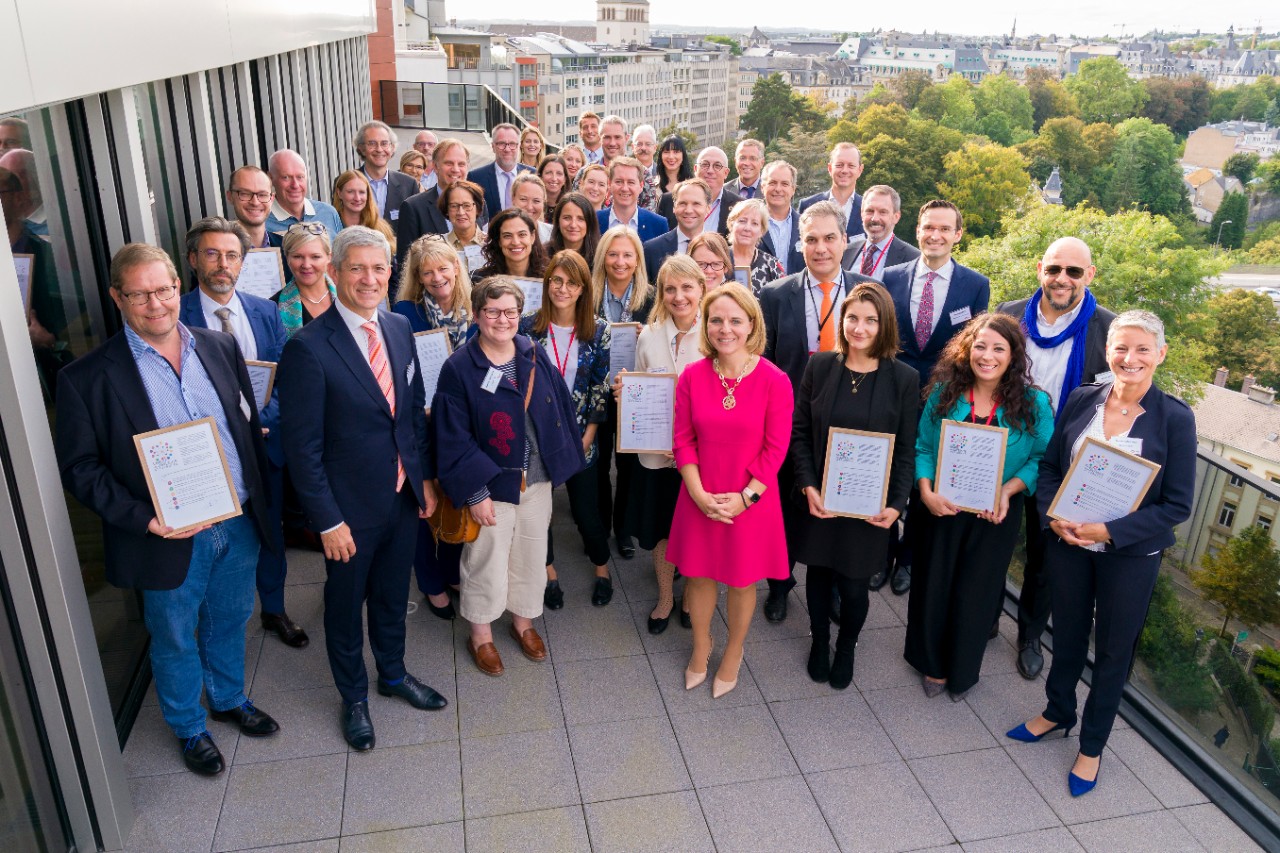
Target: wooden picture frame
(448,349)
(949,428)
(889,438)
(157,503)
(269,366)
(1093,444)
(623,403)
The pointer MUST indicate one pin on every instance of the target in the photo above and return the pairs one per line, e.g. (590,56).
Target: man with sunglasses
(1067,343)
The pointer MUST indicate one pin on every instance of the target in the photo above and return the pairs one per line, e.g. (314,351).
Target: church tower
(620,22)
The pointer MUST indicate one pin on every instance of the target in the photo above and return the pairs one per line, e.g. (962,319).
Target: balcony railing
(468,107)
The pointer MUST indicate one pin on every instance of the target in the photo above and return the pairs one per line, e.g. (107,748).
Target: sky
(983,18)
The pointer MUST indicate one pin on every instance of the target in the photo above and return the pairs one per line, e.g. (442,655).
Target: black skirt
(652,504)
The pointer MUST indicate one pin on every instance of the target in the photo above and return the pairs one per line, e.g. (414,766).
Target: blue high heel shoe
(1022,733)
(1079,786)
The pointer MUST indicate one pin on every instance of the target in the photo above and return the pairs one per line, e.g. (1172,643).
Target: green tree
(986,181)
(1105,91)
(1182,105)
(999,94)
(1242,579)
(1244,335)
(887,119)
(907,87)
(734,47)
(1049,98)
(1269,171)
(1242,165)
(690,138)
(1229,221)
(950,105)
(807,152)
(911,164)
(1265,252)
(775,108)
(1145,171)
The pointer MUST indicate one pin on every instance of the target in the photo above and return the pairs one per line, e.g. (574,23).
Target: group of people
(781,324)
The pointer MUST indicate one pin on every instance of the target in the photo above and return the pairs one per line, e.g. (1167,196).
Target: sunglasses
(1075,273)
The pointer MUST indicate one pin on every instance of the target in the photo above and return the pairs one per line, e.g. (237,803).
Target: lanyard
(973,412)
(822,321)
(715,205)
(879,258)
(551,333)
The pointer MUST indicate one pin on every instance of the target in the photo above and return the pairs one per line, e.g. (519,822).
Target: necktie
(827,330)
(382,373)
(748,192)
(924,317)
(869,259)
(224,316)
(506,190)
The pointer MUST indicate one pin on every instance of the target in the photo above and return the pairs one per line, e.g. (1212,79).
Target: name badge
(1128,445)
(491,380)
(961,315)
(395,214)
(1106,378)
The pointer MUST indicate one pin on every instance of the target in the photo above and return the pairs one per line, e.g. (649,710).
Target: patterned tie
(924,318)
(827,330)
(224,315)
(869,259)
(382,373)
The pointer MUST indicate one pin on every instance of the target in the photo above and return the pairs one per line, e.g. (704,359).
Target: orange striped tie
(827,330)
(382,373)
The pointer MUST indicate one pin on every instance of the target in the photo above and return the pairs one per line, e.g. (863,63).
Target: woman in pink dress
(732,429)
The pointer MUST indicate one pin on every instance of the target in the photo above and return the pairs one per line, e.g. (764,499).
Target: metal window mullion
(130,164)
(204,158)
(247,115)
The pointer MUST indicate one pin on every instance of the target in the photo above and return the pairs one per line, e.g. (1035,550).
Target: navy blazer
(343,438)
(480,436)
(853,227)
(792,258)
(786,336)
(487,177)
(651,224)
(1167,428)
(728,198)
(969,289)
(102,405)
(269,335)
(658,250)
(900,252)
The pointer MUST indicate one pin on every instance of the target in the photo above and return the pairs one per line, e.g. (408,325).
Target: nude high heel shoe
(720,688)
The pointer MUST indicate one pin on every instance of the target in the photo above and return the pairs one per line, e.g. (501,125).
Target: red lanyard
(973,412)
(563,366)
(879,258)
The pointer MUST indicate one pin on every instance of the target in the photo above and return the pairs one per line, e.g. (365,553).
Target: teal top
(1021,457)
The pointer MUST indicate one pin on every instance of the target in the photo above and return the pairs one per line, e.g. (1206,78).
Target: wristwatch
(751,496)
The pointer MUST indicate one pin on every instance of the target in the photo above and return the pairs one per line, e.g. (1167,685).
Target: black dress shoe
(1030,658)
(289,631)
(201,755)
(626,547)
(357,728)
(820,659)
(900,582)
(251,721)
(835,605)
(995,629)
(446,613)
(842,669)
(553,596)
(414,692)
(657,626)
(775,606)
(878,580)
(603,592)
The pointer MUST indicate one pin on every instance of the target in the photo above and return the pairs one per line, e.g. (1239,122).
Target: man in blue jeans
(198,586)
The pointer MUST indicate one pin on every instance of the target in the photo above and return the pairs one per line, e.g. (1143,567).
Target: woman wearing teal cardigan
(981,377)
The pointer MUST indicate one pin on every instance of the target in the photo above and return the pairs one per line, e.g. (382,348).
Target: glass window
(1227,514)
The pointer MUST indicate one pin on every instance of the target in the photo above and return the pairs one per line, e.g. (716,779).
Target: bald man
(1067,344)
(288,174)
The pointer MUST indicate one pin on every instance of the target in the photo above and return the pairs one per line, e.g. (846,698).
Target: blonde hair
(749,205)
(297,237)
(640,279)
(431,248)
(743,298)
(542,145)
(679,267)
(134,255)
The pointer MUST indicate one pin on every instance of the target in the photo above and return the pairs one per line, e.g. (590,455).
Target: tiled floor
(602,749)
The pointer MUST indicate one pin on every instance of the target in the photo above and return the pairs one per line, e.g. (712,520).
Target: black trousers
(1119,588)
(613,504)
(376,579)
(583,489)
(1035,600)
(854,603)
(435,564)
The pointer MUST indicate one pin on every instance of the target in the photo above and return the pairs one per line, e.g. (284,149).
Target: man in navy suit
(782,237)
(376,142)
(197,586)
(626,179)
(712,167)
(420,214)
(215,251)
(692,201)
(845,167)
(878,248)
(498,177)
(353,406)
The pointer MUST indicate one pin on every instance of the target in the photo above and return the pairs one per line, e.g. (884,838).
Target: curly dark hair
(496,262)
(954,373)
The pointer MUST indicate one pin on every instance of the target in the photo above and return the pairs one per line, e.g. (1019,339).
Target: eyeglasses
(142,297)
(466,205)
(213,256)
(248,195)
(711,266)
(713,167)
(495,313)
(316,228)
(506,144)
(388,146)
(1074,273)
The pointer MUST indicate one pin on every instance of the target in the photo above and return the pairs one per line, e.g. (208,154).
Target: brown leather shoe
(486,657)
(530,644)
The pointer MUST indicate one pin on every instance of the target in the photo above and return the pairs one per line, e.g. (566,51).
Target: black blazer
(969,289)
(487,177)
(1167,428)
(728,198)
(1095,338)
(900,252)
(791,257)
(341,438)
(786,340)
(853,227)
(895,408)
(102,405)
(418,215)
(400,188)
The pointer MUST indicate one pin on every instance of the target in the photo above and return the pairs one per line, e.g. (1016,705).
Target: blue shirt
(379,190)
(312,211)
(780,234)
(180,399)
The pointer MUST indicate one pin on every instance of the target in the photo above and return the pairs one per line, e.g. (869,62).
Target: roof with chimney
(1238,420)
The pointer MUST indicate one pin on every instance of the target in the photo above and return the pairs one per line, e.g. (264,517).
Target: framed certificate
(622,347)
(855,480)
(1103,484)
(25,266)
(262,375)
(433,350)
(187,475)
(532,288)
(261,273)
(971,465)
(646,412)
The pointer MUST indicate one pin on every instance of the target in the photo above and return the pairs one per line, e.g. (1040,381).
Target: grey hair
(375,125)
(357,236)
(823,208)
(615,119)
(1137,319)
(885,189)
(644,128)
(216,225)
(774,165)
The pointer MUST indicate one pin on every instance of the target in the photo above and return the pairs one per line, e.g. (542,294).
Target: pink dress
(730,448)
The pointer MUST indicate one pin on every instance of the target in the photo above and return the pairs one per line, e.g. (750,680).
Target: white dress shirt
(354,324)
(240,327)
(633,223)
(712,222)
(941,284)
(1049,366)
(780,235)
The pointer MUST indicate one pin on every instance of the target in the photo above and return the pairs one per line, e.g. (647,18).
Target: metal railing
(468,107)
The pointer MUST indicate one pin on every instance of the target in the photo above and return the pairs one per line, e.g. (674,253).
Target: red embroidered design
(500,423)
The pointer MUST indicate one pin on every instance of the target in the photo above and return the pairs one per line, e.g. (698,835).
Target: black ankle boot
(820,659)
(842,666)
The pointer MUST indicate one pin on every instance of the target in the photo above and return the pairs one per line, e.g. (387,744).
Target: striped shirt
(179,399)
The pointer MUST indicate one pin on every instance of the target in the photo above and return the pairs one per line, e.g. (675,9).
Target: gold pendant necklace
(728,402)
(857,382)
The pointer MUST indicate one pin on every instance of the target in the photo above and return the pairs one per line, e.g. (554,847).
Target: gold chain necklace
(858,380)
(728,402)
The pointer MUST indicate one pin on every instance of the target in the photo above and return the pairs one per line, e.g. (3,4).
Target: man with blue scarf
(1066,333)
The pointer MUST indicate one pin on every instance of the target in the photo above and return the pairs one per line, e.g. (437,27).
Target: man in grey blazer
(375,142)
(874,251)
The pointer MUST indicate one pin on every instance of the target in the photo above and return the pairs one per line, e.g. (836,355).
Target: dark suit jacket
(343,439)
(487,177)
(791,257)
(1095,338)
(900,252)
(854,226)
(968,289)
(1167,428)
(400,188)
(735,187)
(728,198)
(269,335)
(102,405)
(658,250)
(786,341)
(651,224)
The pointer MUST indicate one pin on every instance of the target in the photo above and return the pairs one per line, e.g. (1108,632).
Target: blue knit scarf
(1075,333)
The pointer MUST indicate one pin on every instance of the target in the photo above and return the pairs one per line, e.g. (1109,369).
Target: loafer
(486,657)
(414,692)
(252,722)
(603,592)
(775,606)
(446,613)
(878,580)
(357,728)
(657,626)
(201,755)
(531,645)
(553,596)
(900,581)
(289,632)
(626,547)
(1030,658)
